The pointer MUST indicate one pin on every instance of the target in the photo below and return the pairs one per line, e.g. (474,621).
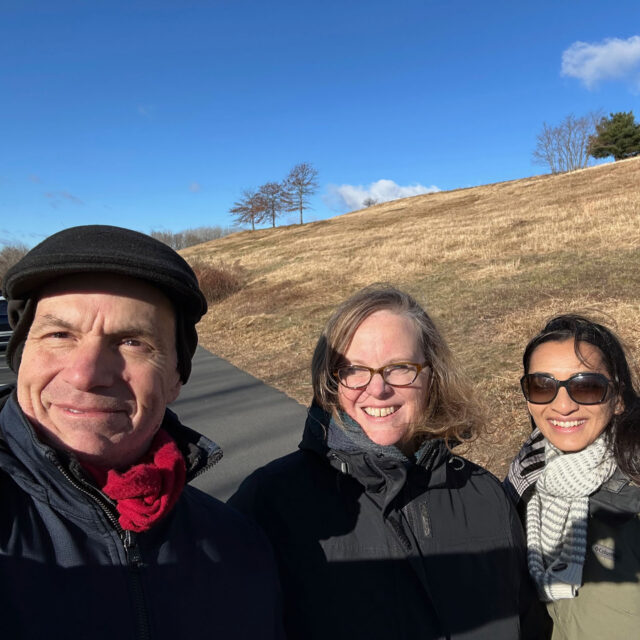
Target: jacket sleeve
(248,499)
(245,498)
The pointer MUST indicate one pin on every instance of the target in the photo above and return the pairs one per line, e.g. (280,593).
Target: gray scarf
(348,435)
(557,516)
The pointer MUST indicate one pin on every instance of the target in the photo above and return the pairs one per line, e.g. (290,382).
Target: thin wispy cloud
(194,187)
(611,59)
(28,238)
(57,198)
(350,197)
(34,178)
(145,110)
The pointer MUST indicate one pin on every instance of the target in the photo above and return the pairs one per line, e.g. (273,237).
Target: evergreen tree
(617,136)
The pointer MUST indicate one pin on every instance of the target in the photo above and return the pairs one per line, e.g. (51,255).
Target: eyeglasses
(398,374)
(583,388)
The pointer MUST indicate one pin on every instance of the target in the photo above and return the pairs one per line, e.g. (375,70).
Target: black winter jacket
(68,570)
(371,547)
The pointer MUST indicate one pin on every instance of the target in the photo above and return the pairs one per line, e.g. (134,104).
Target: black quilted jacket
(67,569)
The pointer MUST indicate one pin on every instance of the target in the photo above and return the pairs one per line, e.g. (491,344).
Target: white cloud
(611,59)
(351,197)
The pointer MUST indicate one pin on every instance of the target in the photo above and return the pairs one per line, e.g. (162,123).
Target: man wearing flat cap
(100,537)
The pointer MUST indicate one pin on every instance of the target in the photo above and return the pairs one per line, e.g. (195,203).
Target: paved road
(6,375)
(252,422)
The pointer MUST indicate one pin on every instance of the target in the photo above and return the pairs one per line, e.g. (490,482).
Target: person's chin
(570,439)
(383,434)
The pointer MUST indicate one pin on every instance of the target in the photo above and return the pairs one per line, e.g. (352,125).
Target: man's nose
(91,364)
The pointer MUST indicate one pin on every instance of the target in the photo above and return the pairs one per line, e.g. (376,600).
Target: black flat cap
(105,249)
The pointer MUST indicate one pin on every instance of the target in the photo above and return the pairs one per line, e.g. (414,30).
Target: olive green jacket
(608,602)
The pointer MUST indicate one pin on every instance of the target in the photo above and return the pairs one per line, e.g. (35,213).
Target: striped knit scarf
(557,516)
(525,469)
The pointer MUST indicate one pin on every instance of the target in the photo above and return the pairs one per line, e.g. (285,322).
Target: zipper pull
(131,548)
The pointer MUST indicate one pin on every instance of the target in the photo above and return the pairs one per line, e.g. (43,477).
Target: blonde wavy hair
(450,410)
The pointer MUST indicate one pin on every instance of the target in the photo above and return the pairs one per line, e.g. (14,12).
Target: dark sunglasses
(583,388)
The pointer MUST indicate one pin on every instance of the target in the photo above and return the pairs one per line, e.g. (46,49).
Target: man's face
(99,367)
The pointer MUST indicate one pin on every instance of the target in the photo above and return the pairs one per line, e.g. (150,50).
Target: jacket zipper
(132,552)
(136,564)
(396,525)
(206,467)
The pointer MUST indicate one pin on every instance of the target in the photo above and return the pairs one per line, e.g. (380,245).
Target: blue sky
(156,115)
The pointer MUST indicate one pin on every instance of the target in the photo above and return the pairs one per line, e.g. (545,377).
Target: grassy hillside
(489,263)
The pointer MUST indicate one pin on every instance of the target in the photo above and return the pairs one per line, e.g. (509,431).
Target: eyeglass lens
(583,388)
(397,375)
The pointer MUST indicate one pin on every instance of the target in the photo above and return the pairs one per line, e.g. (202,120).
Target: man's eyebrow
(50,320)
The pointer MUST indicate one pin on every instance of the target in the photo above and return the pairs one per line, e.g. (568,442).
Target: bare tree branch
(299,185)
(565,147)
(275,199)
(9,255)
(251,207)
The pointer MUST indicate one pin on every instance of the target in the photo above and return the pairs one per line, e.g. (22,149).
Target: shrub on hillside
(218,281)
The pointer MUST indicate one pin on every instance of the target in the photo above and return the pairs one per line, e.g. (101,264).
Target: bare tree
(9,255)
(565,147)
(369,202)
(251,207)
(202,234)
(299,185)
(182,239)
(170,238)
(275,199)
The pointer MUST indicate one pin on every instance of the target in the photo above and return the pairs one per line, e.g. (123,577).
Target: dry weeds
(489,263)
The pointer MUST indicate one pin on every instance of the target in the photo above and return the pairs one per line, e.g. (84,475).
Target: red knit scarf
(148,490)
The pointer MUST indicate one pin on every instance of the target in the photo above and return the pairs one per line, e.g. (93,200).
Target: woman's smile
(379,412)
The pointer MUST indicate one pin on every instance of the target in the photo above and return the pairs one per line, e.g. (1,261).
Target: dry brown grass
(489,263)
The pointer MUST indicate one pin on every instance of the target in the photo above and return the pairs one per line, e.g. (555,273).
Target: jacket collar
(618,495)
(383,477)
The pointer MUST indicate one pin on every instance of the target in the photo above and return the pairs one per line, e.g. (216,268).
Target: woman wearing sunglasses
(575,480)
(379,530)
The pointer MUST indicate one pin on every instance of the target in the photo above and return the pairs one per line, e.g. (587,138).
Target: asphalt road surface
(252,422)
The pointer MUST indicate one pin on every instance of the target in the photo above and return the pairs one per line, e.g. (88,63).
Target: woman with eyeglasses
(379,530)
(575,481)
